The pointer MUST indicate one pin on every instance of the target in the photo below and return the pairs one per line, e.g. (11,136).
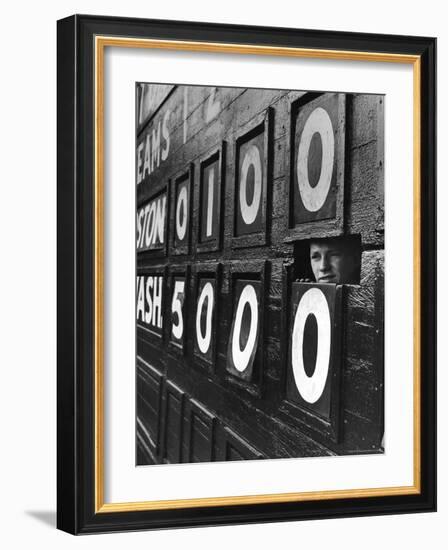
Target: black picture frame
(81,508)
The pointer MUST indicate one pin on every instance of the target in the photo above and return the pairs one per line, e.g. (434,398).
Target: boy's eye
(315,256)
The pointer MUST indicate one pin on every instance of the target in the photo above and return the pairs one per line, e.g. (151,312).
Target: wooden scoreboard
(237,357)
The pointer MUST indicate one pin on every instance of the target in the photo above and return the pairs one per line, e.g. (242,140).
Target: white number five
(176,307)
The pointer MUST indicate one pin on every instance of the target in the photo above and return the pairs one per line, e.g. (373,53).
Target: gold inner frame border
(101,42)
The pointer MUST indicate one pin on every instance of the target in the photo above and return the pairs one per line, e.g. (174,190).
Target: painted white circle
(249,211)
(204,340)
(319,121)
(240,356)
(181,225)
(312,302)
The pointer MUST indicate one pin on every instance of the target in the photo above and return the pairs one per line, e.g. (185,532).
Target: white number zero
(249,211)
(240,356)
(319,121)
(181,223)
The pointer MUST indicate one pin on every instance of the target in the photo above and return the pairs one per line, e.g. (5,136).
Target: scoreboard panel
(239,356)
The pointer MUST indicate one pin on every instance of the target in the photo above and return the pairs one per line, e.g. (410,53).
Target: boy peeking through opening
(334,260)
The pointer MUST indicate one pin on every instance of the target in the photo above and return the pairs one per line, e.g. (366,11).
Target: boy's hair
(350,244)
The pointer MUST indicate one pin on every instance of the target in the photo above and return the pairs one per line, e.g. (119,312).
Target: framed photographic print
(246,274)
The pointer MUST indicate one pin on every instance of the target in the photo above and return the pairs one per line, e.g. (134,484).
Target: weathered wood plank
(363,365)
(365,174)
(210,118)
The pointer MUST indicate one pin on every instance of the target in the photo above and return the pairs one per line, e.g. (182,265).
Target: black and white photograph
(260,273)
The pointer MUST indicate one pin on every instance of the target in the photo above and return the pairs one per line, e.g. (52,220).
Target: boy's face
(331,262)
